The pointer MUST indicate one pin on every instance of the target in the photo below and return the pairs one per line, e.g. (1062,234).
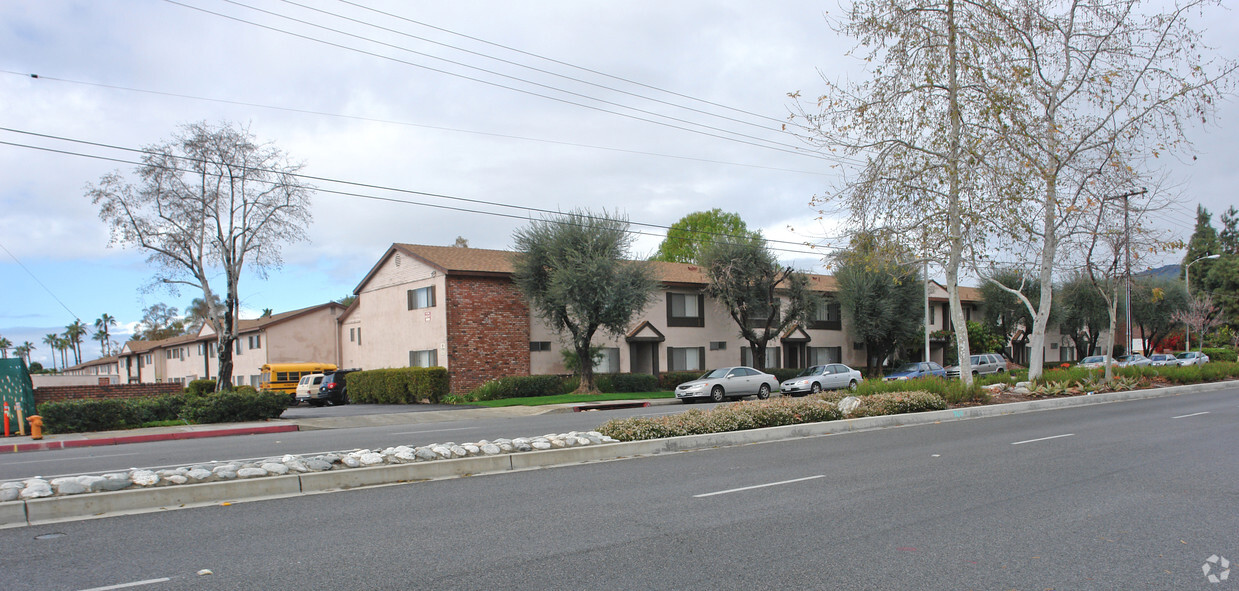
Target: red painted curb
(70,443)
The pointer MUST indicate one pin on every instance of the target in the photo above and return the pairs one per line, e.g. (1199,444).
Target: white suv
(307,388)
(983,364)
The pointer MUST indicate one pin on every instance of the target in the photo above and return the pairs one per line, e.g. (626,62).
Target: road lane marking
(1042,439)
(723,492)
(430,431)
(1195,414)
(71,459)
(127,585)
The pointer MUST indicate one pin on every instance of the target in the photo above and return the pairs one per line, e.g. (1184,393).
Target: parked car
(1133,360)
(919,369)
(728,382)
(1095,362)
(1193,358)
(832,376)
(1162,359)
(307,386)
(333,389)
(982,365)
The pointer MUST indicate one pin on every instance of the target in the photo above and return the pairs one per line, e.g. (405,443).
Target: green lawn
(572,399)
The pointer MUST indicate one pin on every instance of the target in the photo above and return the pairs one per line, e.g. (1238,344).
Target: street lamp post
(1187,285)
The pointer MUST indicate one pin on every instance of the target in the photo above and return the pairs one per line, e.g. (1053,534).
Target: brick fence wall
(487,331)
(63,393)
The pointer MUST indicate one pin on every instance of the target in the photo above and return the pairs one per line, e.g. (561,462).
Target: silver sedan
(728,382)
(833,376)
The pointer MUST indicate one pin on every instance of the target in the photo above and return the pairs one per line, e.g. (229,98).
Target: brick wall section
(62,393)
(487,331)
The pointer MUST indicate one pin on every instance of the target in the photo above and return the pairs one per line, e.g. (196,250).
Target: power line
(36,280)
(404,123)
(527,209)
(741,138)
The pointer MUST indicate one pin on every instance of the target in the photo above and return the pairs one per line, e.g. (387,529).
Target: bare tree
(1201,315)
(209,202)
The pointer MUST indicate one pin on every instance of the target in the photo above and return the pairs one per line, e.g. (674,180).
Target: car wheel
(717,394)
(816,389)
(1000,370)
(975,373)
(763,392)
(852,385)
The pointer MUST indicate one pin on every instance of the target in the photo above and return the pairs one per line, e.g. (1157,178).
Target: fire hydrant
(36,426)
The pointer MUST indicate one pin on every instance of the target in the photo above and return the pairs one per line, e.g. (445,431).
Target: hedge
(1220,354)
(81,416)
(403,385)
(235,406)
(668,380)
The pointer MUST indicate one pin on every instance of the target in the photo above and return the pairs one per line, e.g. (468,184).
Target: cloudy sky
(652,109)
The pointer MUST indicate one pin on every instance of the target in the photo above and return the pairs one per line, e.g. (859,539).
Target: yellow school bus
(283,377)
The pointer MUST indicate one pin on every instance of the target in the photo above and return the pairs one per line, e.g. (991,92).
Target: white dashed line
(430,431)
(1195,414)
(1042,439)
(127,585)
(723,492)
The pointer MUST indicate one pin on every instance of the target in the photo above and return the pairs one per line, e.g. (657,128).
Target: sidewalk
(69,440)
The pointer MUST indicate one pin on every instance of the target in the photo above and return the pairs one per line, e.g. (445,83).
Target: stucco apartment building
(458,308)
(308,334)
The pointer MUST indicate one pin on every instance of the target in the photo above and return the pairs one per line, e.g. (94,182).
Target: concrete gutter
(86,506)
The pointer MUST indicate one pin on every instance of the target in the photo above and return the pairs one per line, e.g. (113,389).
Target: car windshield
(908,367)
(812,371)
(718,373)
(1186,355)
(1093,359)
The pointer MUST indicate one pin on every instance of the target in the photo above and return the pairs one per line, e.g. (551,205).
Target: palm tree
(52,340)
(5,345)
(104,324)
(74,332)
(23,351)
(62,344)
(199,312)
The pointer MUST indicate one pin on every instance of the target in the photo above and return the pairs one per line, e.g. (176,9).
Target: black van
(333,390)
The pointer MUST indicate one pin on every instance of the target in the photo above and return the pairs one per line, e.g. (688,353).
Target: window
(685,309)
(539,345)
(858,346)
(255,341)
(824,355)
(718,345)
(238,341)
(352,335)
(685,358)
(202,349)
(427,358)
(772,357)
(758,317)
(610,361)
(931,313)
(211,349)
(827,316)
(254,381)
(422,298)
(238,380)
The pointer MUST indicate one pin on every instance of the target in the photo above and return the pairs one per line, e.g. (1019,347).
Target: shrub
(782,375)
(519,387)
(630,382)
(200,387)
(1220,354)
(898,403)
(404,385)
(81,416)
(235,406)
(732,417)
(668,380)
(952,391)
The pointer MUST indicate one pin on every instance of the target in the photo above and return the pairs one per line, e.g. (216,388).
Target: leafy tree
(199,312)
(1204,242)
(461,242)
(575,272)
(1081,313)
(763,297)
(1222,283)
(103,325)
(5,345)
(1153,302)
(1228,238)
(347,300)
(687,238)
(75,332)
(160,321)
(36,367)
(881,299)
(1004,310)
(208,203)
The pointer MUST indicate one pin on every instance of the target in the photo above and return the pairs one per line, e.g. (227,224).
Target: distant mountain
(1166,272)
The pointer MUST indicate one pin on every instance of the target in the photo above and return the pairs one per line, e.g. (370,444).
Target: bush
(404,385)
(782,375)
(1220,354)
(898,403)
(738,416)
(668,380)
(82,416)
(952,391)
(519,387)
(627,382)
(200,387)
(235,406)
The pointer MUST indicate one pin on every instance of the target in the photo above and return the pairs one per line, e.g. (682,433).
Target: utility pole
(1127,255)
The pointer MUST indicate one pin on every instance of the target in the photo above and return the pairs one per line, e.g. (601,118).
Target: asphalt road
(1134,495)
(83,460)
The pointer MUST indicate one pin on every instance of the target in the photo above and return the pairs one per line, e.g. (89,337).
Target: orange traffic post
(36,426)
(6,418)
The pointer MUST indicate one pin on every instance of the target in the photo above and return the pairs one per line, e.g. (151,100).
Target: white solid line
(126,585)
(1042,439)
(430,431)
(723,492)
(1195,414)
(70,459)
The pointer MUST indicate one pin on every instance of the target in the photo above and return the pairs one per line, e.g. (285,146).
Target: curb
(71,508)
(122,439)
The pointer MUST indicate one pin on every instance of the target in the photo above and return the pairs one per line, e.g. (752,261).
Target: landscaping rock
(144,478)
(274,468)
(848,404)
(317,465)
(251,472)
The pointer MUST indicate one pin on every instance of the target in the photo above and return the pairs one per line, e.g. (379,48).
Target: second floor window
(422,298)
(256,341)
(685,309)
(827,316)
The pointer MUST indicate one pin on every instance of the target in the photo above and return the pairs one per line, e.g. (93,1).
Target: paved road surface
(1134,495)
